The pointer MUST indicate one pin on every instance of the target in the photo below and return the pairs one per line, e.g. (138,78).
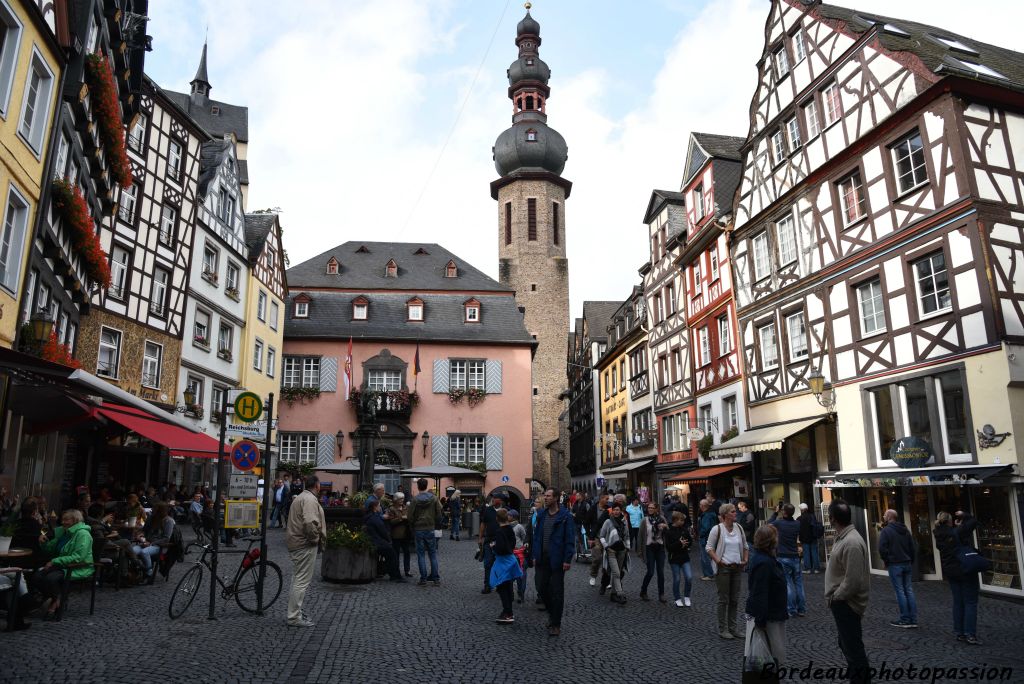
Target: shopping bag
(758,662)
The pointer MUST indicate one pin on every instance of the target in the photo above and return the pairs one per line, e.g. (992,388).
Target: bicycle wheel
(186,591)
(245,587)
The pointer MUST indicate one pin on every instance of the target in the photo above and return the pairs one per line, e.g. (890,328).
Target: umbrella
(351,467)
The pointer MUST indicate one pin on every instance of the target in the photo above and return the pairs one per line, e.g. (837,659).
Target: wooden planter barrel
(347,566)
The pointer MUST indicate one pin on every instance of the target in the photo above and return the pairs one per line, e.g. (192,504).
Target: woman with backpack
(951,533)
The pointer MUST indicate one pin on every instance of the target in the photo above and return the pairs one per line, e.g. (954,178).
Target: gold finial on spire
(528,6)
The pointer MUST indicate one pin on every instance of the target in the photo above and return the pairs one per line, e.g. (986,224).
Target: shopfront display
(998,512)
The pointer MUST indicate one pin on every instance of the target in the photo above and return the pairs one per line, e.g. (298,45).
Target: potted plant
(7,528)
(232,292)
(349,556)
(224,354)
(475,395)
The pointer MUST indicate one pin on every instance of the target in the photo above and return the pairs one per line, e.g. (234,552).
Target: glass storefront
(995,510)
(878,501)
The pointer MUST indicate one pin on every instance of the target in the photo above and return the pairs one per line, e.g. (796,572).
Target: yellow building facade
(614,393)
(31,63)
(263,335)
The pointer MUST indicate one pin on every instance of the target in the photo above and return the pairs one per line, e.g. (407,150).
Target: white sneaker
(679,603)
(686,601)
(593,581)
(301,622)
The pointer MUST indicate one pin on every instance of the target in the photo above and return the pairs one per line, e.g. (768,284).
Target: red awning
(703,474)
(180,442)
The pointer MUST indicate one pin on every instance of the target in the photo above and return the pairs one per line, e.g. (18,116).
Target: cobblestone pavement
(387,631)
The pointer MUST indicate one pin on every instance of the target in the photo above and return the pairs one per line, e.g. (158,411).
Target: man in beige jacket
(847,580)
(306,532)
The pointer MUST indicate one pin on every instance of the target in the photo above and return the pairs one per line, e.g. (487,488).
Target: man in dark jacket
(809,528)
(551,553)
(379,534)
(789,557)
(896,547)
(489,528)
(424,516)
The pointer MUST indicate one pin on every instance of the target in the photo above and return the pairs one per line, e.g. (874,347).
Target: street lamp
(340,439)
(190,396)
(41,325)
(426,441)
(822,390)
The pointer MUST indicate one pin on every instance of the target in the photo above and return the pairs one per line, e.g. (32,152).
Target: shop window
(996,540)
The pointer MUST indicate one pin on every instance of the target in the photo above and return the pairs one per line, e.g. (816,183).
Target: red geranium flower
(108,114)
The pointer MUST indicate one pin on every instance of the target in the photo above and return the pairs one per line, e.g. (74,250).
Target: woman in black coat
(766,594)
(678,542)
(380,535)
(950,534)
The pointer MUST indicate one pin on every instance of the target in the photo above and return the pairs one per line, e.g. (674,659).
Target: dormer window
(215,110)
(332,266)
(529,61)
(362,250)
(360,308)
(451,270)
(301,309)
(472,311)
(420,251)
(531,135)
(414,309)
(391,269)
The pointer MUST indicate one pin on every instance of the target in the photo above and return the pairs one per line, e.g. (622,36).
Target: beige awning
(762,439)
(618,470)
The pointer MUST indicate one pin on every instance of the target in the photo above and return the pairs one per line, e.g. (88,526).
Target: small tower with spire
(200,94)
(529,157)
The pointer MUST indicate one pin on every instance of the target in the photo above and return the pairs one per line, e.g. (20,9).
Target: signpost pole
(219,506)
(266,505)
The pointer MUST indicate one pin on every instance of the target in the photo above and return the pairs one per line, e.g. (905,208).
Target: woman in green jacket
(72,545)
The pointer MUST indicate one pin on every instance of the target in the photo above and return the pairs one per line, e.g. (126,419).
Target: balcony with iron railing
(639,385)
(373,405)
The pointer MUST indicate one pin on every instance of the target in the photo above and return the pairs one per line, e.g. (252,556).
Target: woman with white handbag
(765,645)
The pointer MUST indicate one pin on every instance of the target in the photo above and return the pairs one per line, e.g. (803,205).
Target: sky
(375,119)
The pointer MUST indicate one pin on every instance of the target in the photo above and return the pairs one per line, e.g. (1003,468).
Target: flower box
(210,277)
(224,354)
(232,292)
(74,212)
(107,112)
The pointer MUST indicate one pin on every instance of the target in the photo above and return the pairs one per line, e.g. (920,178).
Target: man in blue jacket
(551,553)
(896,548)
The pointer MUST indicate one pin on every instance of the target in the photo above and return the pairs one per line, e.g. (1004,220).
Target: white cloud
(351,103)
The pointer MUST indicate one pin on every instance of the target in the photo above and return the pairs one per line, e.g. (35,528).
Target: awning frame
(703,474)
(625,468)
(765,438)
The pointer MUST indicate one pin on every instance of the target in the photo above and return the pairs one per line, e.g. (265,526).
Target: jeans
(426,543)
(728,580)
(851,642)
(551,587)
(796,602)
(687,573)
(655,558)
(616,562)
(456,521)
(488,561)
(900,574)
(146,555)
(304,562)
(965,605)
(275,515)
(811,561)
(521,583)
(390,557)
(705,560)
(596,557)
(401,547)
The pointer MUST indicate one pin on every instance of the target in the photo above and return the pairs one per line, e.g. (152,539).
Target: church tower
(529,157)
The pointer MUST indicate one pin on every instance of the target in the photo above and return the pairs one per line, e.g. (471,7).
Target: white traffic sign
(257,430)
(241,514)
(243,486)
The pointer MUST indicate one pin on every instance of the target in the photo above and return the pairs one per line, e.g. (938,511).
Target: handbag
(971,561)
(757,657)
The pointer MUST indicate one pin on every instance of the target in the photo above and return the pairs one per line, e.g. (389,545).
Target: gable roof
(598,315)
(257,229)
(921,40)
(704,146)
(364,270)
(659,198)
(211,155)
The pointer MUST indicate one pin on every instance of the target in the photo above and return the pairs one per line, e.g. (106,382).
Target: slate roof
(229,119)
(720,146)
(658,199)
(211,156)
(365,270)
(598,316)
(257,228)
(921,40)
(330,316)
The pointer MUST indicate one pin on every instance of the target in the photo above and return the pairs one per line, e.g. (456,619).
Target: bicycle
(242,586)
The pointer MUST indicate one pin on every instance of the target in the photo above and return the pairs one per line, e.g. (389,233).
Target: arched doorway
(514,498)
(390,479)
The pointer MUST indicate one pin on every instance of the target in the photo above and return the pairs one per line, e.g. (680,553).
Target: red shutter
(531,219)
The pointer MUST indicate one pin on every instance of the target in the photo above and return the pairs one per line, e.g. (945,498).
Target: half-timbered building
(133,333)
(627,441)
(218,282)
(713,166)
(106,44)
(667,339)
(877,228)
(587,343)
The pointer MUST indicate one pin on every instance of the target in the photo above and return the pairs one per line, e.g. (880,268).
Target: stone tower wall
(539,272)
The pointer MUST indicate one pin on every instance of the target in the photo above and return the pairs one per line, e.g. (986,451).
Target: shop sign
(911,452)
(1000,579)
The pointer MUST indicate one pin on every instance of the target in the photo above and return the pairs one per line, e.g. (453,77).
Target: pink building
(469,405)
